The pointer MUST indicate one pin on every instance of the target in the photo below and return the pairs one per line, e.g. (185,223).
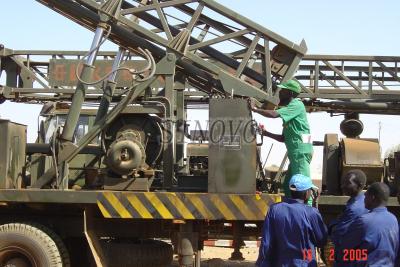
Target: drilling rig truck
(115,171)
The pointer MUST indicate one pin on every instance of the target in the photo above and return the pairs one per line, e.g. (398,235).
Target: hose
(144,53)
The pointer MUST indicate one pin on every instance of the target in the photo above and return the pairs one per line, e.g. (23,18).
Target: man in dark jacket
(375,235)
(352,185)
(292,229)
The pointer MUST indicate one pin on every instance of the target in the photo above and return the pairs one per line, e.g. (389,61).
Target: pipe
(79,95)
(109,87)
(36,148)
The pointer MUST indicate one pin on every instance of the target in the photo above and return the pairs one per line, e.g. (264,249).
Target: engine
(133,145)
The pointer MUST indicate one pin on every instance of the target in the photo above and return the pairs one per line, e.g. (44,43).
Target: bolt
(125,155)
(170,57)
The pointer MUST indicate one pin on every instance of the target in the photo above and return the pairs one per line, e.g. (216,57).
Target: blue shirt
(398,253)
(378,233)
(290,233)
(354,208)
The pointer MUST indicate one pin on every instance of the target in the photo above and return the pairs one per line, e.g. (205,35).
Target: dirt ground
(219,257)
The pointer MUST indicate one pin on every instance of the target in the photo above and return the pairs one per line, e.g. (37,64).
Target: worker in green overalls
(296,130)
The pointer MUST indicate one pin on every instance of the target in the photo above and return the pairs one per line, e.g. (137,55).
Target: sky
(329,27)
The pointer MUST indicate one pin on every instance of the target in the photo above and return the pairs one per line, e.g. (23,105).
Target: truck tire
(144,253)
(31,245)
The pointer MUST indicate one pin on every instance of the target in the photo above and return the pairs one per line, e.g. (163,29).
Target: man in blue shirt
(352,185)
(375,235)
(292,229)
(398,251)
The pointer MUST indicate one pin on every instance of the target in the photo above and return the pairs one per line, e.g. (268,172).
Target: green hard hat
(291,85)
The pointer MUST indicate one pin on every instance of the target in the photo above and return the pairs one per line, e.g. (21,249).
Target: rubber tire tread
(45,237)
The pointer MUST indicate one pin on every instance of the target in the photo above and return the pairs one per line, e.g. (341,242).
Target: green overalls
(297,140)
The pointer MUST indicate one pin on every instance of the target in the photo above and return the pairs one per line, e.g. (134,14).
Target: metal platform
(50,75)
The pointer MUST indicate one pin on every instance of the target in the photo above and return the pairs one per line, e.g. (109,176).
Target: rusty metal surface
(62,71)
(361,152)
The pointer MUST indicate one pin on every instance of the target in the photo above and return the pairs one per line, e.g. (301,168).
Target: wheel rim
(17,256)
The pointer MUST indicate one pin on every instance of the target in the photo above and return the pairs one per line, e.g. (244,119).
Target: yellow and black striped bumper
(185,206)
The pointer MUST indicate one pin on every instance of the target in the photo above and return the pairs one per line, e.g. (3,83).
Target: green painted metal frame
(90,197)
(361,77)
(165,68)
(179,41)
(199,62)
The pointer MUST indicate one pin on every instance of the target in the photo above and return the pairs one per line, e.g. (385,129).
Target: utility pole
(379,134)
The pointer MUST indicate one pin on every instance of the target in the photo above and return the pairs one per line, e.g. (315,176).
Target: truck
(115,172)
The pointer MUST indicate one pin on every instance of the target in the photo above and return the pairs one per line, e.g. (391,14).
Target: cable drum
(351,128)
